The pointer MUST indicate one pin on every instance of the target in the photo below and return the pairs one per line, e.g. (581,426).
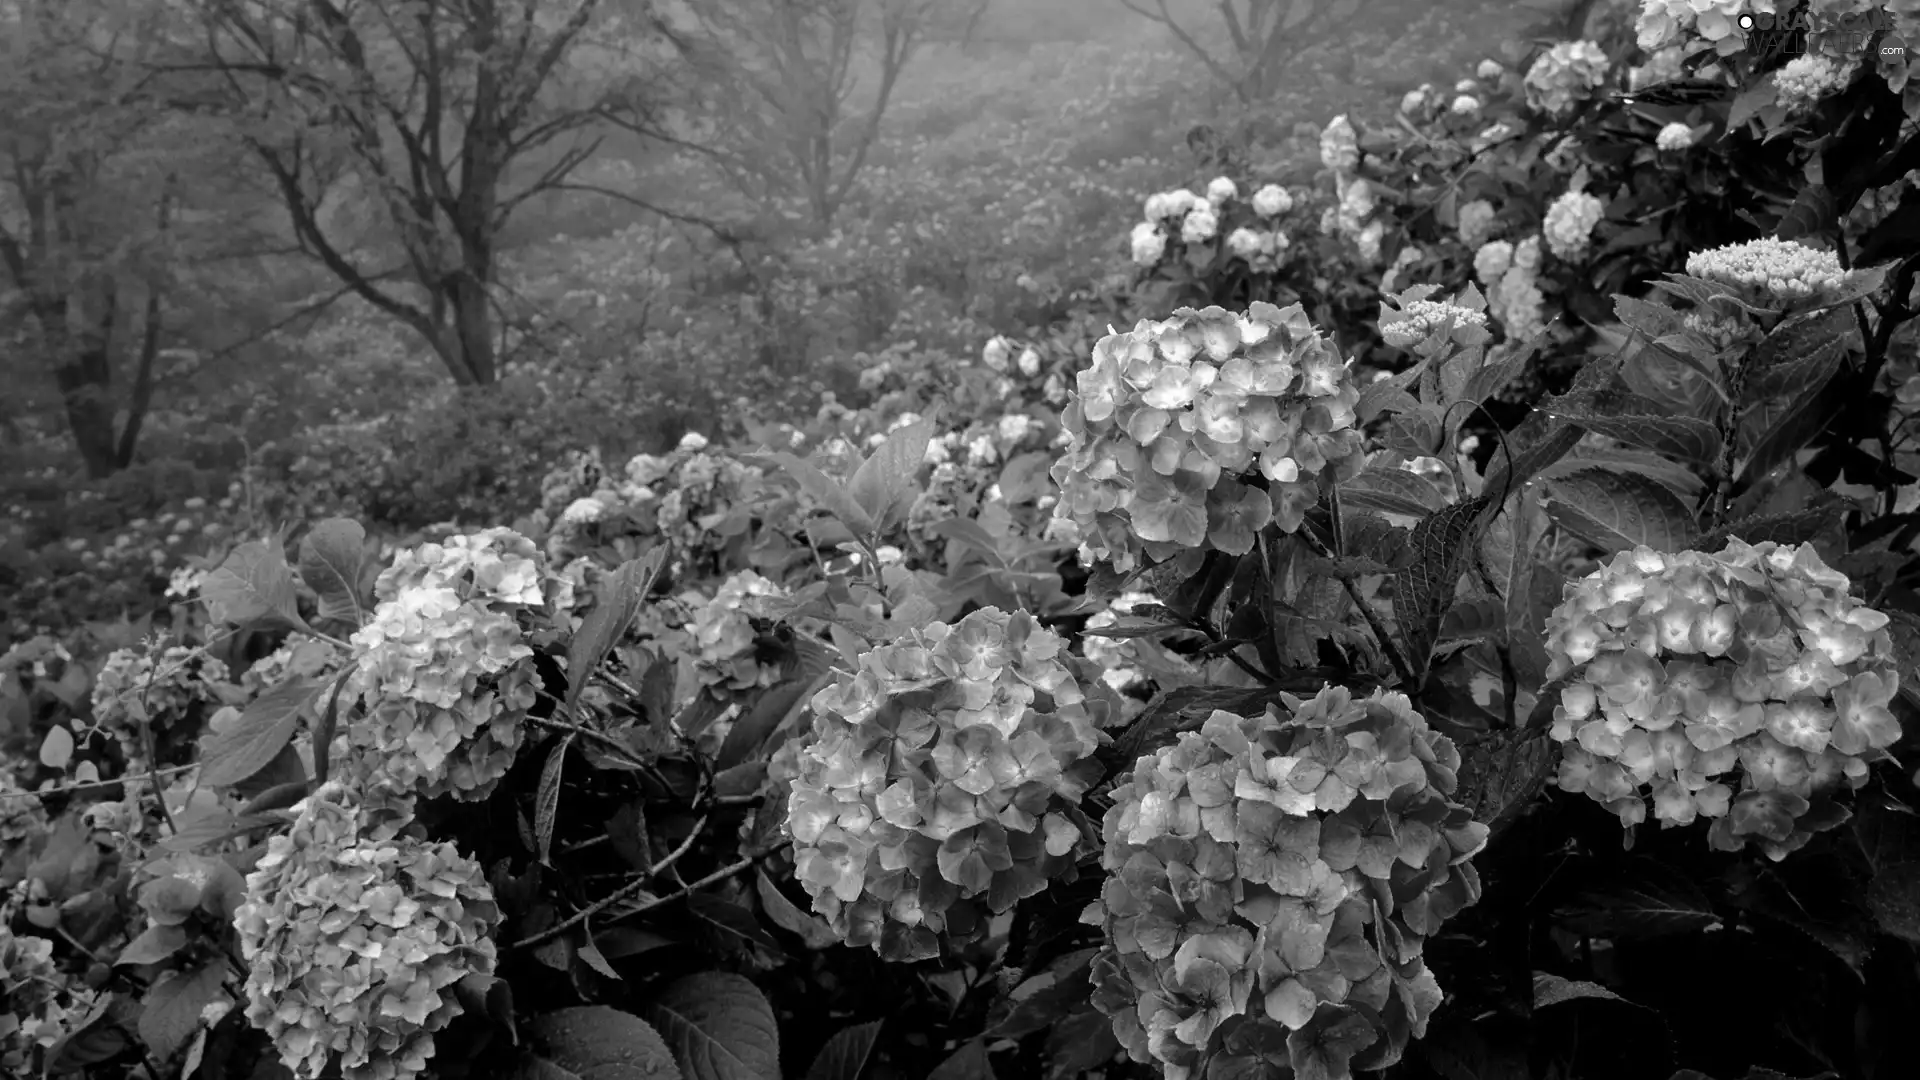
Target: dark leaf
(786,915)
(970,1062)
(1422,593)
(1502,773)
(769,710)
(1813,213)
(1772,434)
(615,604)
(719,1026)
(1796,527)
(1527,464)
(1552,990)
(333,557)
(1043,1000)
(170,1009)
(595,1042)
(1800,359)
(1640,910)
(733,926)
(262,730)
(155,943)
(1083,1041)
(546,803)
(1631,419)
(1391,491)
(1620,511)
(845,1055)
(253,589)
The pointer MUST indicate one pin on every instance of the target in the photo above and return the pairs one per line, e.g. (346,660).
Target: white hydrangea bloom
(1806,79)
(1015,426)
(1516,301)
(1465,105)
(1662,66)
(1564,75)
(1200,225)
(1245,243)
(1271,201)
(1423,318)
(997,353)
(1158,207)
(1357,200)
(1149,243)
(1664,23)
(1526,254)
(1780,268)
(1490,70)
(583,511)
(1475,222)
(1466,86)
(1339,145)
(1414,100)
(1029,362)
(1569,223)
(1220,189)
(1492,260)
(981,451)
(692,442)
(1370,239)
(1673,138)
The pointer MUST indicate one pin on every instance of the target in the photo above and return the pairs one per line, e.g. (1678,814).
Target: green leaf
(1640,910)
(1516,535)
(99,1036)
(56,750)
(491,997)
(884,484)
(1772,433)
(845,1055)
(154,944)
(1654,320)
(1635,420)
(775,706)
(546,803)
(733,928)
(253,589)
(1422,593)
(970,1062)
(825,489)
(594,1042)
(170,1009)
(1553,445)
(1676,478)
(1794,527)
(1026,477)
(329,720)
(1552,990)
(1799,359)
(1620,511)
(333,557)
(1044,999)
(257,737)
(1391,490)
(615,605)
(719,1026)
(787,915)
(1813,212)
(1501,773)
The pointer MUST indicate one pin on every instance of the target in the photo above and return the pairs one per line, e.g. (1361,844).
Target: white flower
(1200,225)
(1465,105)
(1356,199)
(1516,301)
(1490,70)
(1806,79)
(887,555)
(1244,243)
(997,353)
(1673,138)
(981,451)
(1369,241)
(1565,74)
(1492,260)
(1149,243)
(937,452)
(1014,427)
(1339,146)
(1271,201)
(582,511)
(1781,268)
(1569,223)
(1029,363)
(1475,222)
(1424,318)
(1526,254)
(692,442)
(1220,189)
(1414,100)
(1662,66)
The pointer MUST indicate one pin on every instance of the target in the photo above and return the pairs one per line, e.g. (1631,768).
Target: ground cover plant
(1443,607)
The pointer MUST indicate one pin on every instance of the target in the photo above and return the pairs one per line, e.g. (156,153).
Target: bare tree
(782,77)
(1261,36)
(446,116)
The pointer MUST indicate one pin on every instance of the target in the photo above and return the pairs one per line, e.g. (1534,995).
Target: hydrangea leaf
(1632,419)
(1800,356)
(1506,474)
(333,563)
(265,727)
(154,944)
(1677,478)
(1391,491)
(615,605)
(1640,910)
(1501,774)
(253,588)
(845,1055)
(884,484)
(1553,990)
(811,929)
(824,489)
(732,929)
(1424,591)
(1890,842)
(170,1009)
(100,1035)
(970,1062)
(1772,432)
(719,1026)
(595,1042)
(1825,519)
(546,803)
(1620,511)
(1040,1001)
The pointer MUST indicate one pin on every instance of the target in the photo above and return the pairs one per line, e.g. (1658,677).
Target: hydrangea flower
(1475,222)
(135,688)
(1339,145)
(1200,225)
(1148,243)
(1491,261)
(1197,431)
(1029,362)
(1688,668)
(1490,70)
(1465,105)
(1414,100)
(1419,320)
(1369,241)
(1808,78)
(444,668)
(583,511)
(1220,189)
(1283,869)
(1569,223)
(1565,75)
(1674,138)
(1771,270)
(28,983)
(996,353)
(1663,23)
(938,782)
(1662,66)
(1272,201)
(1516,300)
(723,631)
(353,938)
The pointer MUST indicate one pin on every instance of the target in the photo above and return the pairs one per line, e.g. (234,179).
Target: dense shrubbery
(1225,697)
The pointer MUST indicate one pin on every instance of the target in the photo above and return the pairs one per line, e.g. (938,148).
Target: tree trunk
(472,331)
(86,395)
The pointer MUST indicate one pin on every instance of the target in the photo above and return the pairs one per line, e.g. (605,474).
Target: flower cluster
(723,632)
(1420,320)
(1284,869)
(1511,274)
(1130,665)
(1476,222)
(1674,138)
(135,688)
(1339,145)
(1172,420)
(937,784)
(1569,224)
(1663,66)
(1687,666)
(1664,23)
(1770,270)
(28,978)
(1565,75)
(1197,219)
(353,943)
(1806,79)
(444,668)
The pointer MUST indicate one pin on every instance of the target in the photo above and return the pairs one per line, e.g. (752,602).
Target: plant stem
(1379,628)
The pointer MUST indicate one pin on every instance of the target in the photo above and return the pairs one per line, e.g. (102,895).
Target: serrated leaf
(1552,990)
(1441,544)
(1795,527)
(1646,317)
(1500,775)
(615,605)
(885,482)
(1640,910)
(1676,478)
(170,1009)
(734,927)
(1813,211)
(1391,491)
(99,1036)
(1488,381)
(1044,999)
(1776,432)
(824,489)
(719,1026)
(590,955)
(787,915)
(329,720)
(845,1055)
(332,556)
(546,803)
(1504,478)
(767,712)
(595,1042)
(155,943)
(970,1062)
(1799,359)
(1620,511)
(1637,421)
(1525,641)
(256,738)
(253,589)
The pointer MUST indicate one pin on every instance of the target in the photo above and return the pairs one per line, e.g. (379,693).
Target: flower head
(1673,138)
(1148,243)
(1565,75)
(1771,269)
(1569,223)
(1339,146)
(1272,201)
